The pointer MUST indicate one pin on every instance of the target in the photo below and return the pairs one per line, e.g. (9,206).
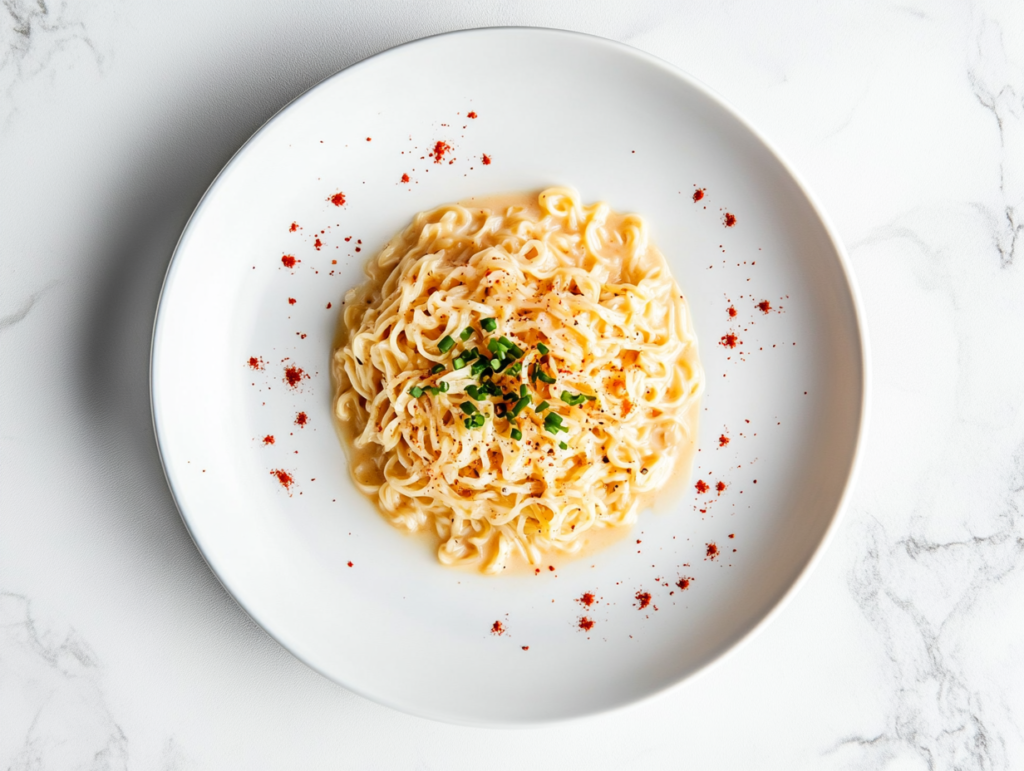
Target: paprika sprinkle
(765,307)
(439,150)
(486,160)
(729,340)
(289,261)
(730,220)
(712,551)
(702,486)
(644,598)
(586,624)
(338,199)
(284,478)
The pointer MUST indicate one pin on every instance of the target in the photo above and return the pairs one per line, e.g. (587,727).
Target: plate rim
(860,439)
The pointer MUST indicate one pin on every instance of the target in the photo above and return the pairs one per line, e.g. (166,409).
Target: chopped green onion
(495,363)
(523,390)
(520,406)
(492,388)
(512,348)
(517,434)
(478,420)
(575,399)
(436,368)
(443,386)
(446,344)
(467,423)
(489,324)
(553,419)
(541,407)
(466,334)
(473,391)
(495,347)
(415,392)
(468,407)
(459,363)
(544,376)
(533,373)
(478,366)
(470,355)
(563,445)
(543,349)
(511,397)
(432,390)
(515,369)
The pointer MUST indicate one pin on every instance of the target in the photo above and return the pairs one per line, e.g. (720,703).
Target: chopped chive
(473,391)
(489,324)
(543,349)
(443,386)
(495,364)
(512,348)
(495,347)
(544,376)
(446,344)
(436,368)
(517,434)
(541,407)
(563,445)
(478,420)
(468,407)
(467,423)
(550,428)
(523,390)
(520,406)
(500,409)
(415,392)
(553,418)
(516,368)
(466,334)
(459,363)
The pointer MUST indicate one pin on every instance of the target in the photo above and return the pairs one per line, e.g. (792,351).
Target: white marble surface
(905,650)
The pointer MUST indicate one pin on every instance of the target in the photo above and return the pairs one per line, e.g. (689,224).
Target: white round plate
(316,565)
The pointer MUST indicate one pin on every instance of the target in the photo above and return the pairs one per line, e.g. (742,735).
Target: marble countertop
(904,650)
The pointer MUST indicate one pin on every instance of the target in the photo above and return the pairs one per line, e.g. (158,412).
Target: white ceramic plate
(552,108)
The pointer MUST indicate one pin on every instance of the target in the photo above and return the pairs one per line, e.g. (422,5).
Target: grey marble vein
(11,319)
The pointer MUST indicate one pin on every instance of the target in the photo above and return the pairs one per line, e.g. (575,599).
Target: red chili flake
(586,624)
(712,551)
(301,419)
(471,115)
(439,150)
(369,139)
(350,564)
(292,301)
(284,478)
(702,486)
(732,535)
(289,261)
(486,160)
(730,220)
(294,227)
(684,583)
(720,486)
(764,306)
(732,312)
(497,628)
(256,362)
(723,440)
(587,599)
(551,567)
(644,598)
(317,244)
(328,306)
(729,340)
(405,177)
(293,375)
(698,194)
(338,199)
(268,439)
(526,647)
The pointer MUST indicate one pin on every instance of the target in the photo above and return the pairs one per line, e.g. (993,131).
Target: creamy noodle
(565,304)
